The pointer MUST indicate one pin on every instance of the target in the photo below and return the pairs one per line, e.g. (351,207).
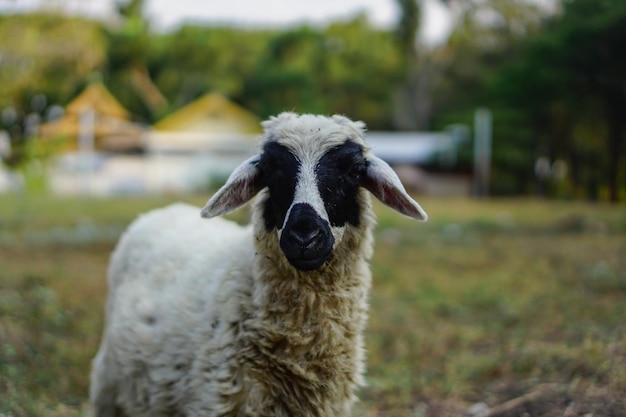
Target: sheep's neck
(306,336)
(305,317)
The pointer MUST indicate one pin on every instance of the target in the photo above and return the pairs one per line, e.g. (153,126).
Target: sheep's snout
(306,239)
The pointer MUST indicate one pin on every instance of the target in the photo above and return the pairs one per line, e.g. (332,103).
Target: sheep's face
(312,194)
(313,167)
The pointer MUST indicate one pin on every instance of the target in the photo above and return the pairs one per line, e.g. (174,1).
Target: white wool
(167,280)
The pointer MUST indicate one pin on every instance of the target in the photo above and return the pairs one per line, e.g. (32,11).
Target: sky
(169,14)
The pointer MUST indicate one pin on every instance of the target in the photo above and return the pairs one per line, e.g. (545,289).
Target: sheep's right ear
(243,184)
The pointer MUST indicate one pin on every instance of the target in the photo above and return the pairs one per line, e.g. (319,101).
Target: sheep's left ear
(243,184)
(384,183)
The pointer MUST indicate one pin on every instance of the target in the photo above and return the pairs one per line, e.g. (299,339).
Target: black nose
(303,234)
(306,239)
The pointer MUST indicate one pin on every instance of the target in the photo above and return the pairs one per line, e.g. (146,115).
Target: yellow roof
(211,113)
(97,98)
(111,127)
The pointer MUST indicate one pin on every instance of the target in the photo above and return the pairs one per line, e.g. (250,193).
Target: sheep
(209,318)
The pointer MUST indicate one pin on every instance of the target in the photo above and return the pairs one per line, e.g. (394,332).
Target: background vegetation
(555,82)
(487,302)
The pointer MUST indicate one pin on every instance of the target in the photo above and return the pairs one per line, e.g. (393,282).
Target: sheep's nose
(304,235)
(306,239)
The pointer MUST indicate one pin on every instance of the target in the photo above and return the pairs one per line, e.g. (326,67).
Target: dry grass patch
(506,303)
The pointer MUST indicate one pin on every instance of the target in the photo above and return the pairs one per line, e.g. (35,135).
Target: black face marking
(339,174)
(279,170)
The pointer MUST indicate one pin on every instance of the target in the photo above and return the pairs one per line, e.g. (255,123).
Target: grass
(489,301)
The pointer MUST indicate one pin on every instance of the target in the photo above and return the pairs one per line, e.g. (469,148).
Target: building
(190,150)
(94,120)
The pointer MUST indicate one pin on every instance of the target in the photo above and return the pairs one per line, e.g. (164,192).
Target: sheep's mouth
(309,264)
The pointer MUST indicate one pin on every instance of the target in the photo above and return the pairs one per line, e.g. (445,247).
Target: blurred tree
(45,59)
(129,46)
(558,82)
(571,82)
(412,96)
(194,60)
(363,66)
(487,35)
(347,68)
(46,54)
(285,76)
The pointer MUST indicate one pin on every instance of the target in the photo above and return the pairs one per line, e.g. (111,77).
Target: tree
(127,75)
(487,36)
(413,96)
(46,58)
(346,68)
(570,81)
(284,77)
(195,59)
(47,54)
(363,65)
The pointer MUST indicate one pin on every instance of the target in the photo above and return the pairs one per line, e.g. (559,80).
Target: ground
(492,308)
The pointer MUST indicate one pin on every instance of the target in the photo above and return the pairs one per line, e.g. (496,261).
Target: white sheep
(208,318)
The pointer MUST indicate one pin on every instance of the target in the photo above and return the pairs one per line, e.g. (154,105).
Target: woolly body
(209,318)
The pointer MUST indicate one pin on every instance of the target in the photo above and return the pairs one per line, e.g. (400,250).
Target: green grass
(486,302)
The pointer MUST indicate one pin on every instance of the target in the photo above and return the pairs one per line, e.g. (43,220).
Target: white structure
(152,173)
(9,181)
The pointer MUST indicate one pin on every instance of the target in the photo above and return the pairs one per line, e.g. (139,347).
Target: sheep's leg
(103,390)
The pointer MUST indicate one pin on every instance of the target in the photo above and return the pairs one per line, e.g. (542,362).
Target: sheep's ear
(243,184)
(383,182)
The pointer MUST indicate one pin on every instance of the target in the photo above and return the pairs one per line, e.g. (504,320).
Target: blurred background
(526,97)
(504,118)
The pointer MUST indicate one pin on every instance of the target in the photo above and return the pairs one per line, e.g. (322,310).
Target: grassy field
(502,307)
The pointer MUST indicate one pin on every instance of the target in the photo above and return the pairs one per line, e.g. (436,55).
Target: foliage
(44,60)
(127,75)
(569,82)
(310,70)
(46,54)
(486,38)
(194,60)
(555,83)
(486,301)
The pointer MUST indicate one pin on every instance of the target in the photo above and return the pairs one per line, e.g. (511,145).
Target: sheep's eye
(339,174)
(355,169)
(350,167)
(278,163)
(273,170)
